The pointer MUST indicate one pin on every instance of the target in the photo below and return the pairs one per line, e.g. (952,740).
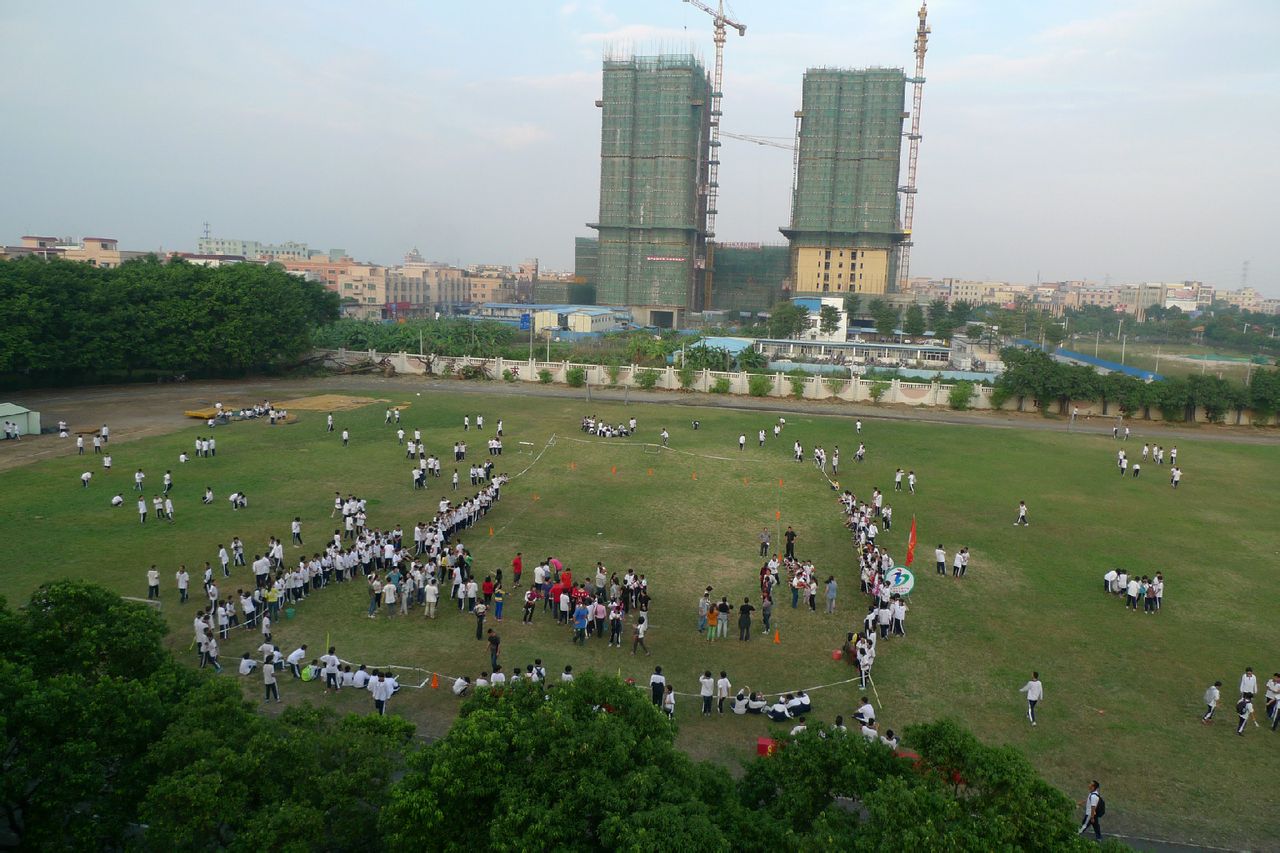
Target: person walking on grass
(1022,515)
(1094,808)
(1212,697)
(1035,693)
(637,636)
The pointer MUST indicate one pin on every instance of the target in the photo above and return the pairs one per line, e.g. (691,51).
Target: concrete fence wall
(932,394)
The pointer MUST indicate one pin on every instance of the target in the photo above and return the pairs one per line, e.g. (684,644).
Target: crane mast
(721,22)
(909,191)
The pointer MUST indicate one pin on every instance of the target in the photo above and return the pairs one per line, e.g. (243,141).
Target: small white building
(814,304)
(28,421)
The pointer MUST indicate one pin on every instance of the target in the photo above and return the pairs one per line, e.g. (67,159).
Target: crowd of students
(1141,592)
(594,425)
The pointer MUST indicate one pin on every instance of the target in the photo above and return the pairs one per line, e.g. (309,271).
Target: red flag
(911,542)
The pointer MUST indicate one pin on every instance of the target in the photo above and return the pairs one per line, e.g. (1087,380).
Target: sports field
(1122,690)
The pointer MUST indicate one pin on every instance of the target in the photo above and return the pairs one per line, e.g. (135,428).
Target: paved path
(138,411)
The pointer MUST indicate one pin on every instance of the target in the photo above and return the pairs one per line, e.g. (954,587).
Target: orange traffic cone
(695,475)
(490,531)
(650,472)
(777,637)
(435,681)
(613,470)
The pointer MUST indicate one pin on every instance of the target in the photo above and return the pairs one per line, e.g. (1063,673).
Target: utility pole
(1124,340)
(1097,342)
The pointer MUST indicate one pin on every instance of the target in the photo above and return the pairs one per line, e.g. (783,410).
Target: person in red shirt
(566,578)
(556,589)
(517,567)
(487,589)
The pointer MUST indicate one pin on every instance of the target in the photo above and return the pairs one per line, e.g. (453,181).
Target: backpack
(1102,807)
(1241,705)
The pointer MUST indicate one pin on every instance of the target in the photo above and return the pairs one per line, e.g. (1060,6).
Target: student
(296,528)
(669,703)
(346,437)
(1273,700)
(270,688)
(153,583)
(1022,514)
(707,686)
(295,659)
(723,687)
(1248,682)
(247,664)
(184,582)
(657,685)
(381,690)
(637,636)
(462,685)
(1094,808)
(1035,692)
(865,713)
(940,555)
(1211,698)
(142,510)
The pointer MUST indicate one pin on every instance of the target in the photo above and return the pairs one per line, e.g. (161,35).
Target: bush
(999,396)
(835,386)
(961,395)
(687,377)
(878,390)
(510,375)
(720,386)
(759,385)
(646,379)
(798,383)
(473,371)
(612,370)
(544,376)
(576,377)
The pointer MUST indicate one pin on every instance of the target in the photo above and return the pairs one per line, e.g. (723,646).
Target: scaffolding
(586,260)
(654,153)
(848,150)
(749,278)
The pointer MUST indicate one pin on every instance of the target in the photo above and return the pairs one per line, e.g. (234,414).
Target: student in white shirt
(707,691)
(1035,692)
(1211,698)
(247,664)
(865,713)
(723,687)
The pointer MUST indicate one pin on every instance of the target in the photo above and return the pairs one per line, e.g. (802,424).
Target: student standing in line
(940,555)
(1035,692)
(723,687)
(706,690)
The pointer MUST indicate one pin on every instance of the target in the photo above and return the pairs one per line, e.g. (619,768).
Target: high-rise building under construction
(844,209)
(654,154)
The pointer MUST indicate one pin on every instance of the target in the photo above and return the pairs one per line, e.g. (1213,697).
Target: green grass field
(1122,690)
(1173,359)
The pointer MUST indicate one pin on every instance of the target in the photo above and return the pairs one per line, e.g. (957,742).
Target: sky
(1109,140)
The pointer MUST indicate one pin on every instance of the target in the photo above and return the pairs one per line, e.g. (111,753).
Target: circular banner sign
(901,580)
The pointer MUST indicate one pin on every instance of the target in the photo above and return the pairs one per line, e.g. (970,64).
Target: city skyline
(1078,141)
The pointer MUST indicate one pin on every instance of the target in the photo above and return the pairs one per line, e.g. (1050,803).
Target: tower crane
(909,203)
(722,22)
(762,140)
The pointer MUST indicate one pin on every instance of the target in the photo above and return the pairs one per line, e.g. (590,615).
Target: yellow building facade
(848,269)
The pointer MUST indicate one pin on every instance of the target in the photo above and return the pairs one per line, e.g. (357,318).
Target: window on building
(827,254)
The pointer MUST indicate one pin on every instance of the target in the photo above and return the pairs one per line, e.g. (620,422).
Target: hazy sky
(1136,139)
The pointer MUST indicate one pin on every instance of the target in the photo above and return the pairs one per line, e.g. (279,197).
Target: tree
(852,304)
(751,359)
(590,764)
(961,395)
(787,320)
(913,324)
(959,795)
(828,319)
(886,318)
(106,736)
(940,319)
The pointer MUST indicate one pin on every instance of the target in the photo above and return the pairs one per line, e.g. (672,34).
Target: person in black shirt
(790,536)
(744,619)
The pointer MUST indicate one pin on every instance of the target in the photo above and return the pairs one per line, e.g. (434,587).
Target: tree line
(63,321)
(1032,374)
(111,743)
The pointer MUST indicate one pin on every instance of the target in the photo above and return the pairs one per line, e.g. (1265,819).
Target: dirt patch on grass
(329,403)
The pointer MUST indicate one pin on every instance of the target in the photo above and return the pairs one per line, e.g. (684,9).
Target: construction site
(849,231)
